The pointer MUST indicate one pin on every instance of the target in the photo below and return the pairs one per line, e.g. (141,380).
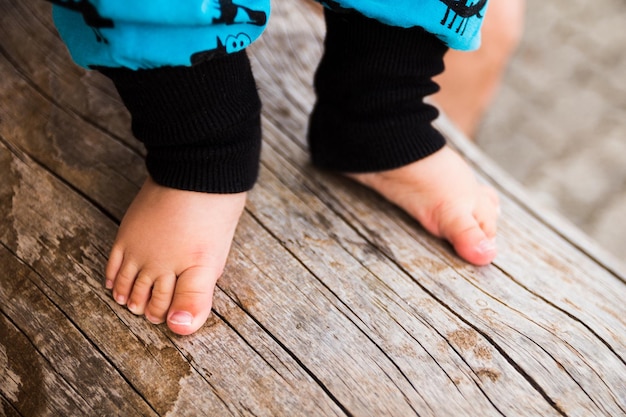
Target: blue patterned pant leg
(456,22)
(157,33)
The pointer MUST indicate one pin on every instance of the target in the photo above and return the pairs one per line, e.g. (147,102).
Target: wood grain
(333,302)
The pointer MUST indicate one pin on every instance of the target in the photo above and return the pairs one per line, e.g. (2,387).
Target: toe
(160,298)
(124,281)
(113,267)
(486,214)
(141,292)
(464,231)
(192,301)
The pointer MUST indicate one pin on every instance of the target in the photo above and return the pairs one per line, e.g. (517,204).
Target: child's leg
(201,127)
(471,79)
(371,123)
(181,70)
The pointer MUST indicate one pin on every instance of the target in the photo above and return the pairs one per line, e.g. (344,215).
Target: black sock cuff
(370,114)
(200,124)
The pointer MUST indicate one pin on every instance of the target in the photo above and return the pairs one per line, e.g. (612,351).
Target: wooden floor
(333,303)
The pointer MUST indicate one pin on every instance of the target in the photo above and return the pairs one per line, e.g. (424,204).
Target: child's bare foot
(442,193)
(170,250)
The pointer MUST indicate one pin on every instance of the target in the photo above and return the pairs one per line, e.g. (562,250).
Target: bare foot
(442,193)
(170,250)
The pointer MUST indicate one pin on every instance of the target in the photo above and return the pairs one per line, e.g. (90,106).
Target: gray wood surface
(333,302)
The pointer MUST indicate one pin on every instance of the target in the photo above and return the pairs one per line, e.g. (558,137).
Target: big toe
(470,241)
(191,305)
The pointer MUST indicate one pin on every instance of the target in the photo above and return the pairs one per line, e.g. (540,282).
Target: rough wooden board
(543,262)
(52,368)
(7,409)
(333,302)
(58,234)
(76,150)
(489,304)
(412,329)
(32,45)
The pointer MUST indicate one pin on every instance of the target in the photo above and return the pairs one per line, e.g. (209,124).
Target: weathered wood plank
(73,148)
(52,368)
(373,295)
(32,45)
(61,237)
(565,309)
(488,316)
(6,408)
(333,302)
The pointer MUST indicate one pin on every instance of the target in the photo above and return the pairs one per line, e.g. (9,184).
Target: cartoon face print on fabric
(237,43)
(150,34)
(231,15)
(232,44)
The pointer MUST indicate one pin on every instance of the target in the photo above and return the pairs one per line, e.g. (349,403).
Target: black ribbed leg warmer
(370,85)
(200,124)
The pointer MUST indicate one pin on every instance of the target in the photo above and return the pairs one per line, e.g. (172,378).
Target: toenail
(487,245)
(108,285)
(152,319)
(181,317)
(132,307)
(120,299)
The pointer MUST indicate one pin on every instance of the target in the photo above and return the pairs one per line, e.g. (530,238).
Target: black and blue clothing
(182,71)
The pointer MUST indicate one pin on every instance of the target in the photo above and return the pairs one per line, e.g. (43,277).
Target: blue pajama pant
(139,34)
